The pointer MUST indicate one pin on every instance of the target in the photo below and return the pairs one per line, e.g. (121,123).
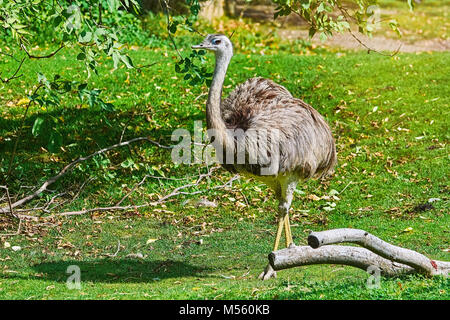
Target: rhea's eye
(216,41)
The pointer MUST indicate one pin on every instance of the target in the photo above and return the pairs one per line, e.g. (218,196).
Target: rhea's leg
(268,271)
(281,223)
(287,224)
(288,232)
(285,206)
(285,194)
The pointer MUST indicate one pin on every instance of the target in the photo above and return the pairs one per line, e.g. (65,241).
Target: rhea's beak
(198,46)
(203,46)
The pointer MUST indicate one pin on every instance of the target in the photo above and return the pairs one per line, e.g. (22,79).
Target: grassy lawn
(390,120)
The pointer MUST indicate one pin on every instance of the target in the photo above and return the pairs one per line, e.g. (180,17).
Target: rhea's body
(305,144)
(300,142)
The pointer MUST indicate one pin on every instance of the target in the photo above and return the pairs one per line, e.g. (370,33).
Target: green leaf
(57,21)
(37,126)
(106,106)
(173,27)
(116,58)
(54,142)
(127,61)
(127,163)
(42,78)
(321,7)
(81,56)
(113,5)
(82,86)
(85,36)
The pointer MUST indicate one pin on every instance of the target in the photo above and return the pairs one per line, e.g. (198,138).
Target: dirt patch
(346,41)
(422,207)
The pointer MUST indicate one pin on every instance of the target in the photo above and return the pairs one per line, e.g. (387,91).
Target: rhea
(303,143)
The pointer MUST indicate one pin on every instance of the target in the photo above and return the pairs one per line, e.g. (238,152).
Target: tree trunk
(212,9)
(230,8)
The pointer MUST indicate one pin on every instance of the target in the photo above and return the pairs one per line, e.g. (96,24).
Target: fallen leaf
(313,197)
(333,192)
(23,101)
(205,203)
(151,241)
(135,255)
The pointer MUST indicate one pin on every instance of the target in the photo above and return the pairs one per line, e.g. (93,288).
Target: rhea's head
(218,43)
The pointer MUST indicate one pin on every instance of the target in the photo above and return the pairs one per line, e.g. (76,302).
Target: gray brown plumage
(304,144)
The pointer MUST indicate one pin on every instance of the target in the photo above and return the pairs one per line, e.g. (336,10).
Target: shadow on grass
(116,271)
(81,133)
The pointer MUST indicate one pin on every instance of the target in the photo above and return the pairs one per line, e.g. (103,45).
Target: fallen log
(389,259)
(296,256)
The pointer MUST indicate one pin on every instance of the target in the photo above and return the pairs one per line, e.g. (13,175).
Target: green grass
(389,117)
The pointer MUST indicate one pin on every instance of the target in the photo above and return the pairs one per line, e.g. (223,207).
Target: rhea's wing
(249,99)
(298,135)
(305,144)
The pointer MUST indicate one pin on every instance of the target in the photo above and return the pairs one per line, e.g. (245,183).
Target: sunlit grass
(390,120)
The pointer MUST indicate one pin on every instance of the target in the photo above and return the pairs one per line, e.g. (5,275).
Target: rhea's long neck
(213,114)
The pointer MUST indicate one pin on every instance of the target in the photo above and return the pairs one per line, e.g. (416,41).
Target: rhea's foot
(268,273)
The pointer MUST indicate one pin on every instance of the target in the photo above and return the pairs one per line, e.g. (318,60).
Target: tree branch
(176,192)
(347,16)
(70,166)
(14,76)
(40,57)
(13,154)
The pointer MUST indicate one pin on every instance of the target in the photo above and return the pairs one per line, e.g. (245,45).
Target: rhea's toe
(267,273)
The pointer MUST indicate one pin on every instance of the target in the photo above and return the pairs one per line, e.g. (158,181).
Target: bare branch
(70,166)
(167,13)
(9,55)
(81,189)
(14,75)
(40,57)
(132,190)
(176,192)
(9,201)
(13,154)
(369,49)
(19,228)
(112,255)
